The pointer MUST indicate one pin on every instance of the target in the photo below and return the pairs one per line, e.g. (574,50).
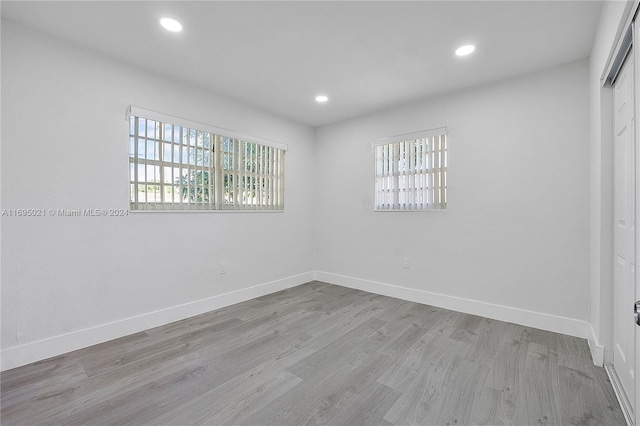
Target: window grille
(411,171)
(175,164)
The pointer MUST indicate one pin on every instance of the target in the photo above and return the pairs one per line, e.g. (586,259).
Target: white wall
(612,19)
(516,233)
(78,280)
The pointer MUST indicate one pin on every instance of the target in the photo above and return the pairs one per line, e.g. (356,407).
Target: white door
(624,328)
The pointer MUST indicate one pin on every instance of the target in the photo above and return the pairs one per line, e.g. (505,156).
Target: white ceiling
(366,56)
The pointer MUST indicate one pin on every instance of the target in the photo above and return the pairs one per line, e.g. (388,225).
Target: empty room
(316,212)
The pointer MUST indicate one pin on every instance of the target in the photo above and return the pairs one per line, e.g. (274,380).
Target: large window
(175,164)
(411,171)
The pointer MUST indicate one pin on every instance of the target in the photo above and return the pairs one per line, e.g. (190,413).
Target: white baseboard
(46,348)
(597,350)
(539,320)
(57,345)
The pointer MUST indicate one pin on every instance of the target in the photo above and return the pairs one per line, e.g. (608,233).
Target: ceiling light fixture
(321,98)
(171,25)
(465,50)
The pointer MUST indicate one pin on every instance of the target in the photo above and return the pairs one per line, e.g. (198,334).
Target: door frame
(627,36)
(634,419)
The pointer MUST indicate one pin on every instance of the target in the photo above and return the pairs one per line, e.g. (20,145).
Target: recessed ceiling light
(171,24)
(321,98)
(465,50)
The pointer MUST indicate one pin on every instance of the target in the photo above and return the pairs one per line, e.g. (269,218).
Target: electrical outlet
(223,268)
(406,263)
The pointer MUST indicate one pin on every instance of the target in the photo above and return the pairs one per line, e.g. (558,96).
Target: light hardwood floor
(319,354)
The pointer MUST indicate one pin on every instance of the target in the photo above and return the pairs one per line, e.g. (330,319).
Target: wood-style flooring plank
(240,396)
(577,390)
(421,384)
(505,382)
(541,384)
(368,410)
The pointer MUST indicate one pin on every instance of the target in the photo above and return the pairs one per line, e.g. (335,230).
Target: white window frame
(410,171)
(206,168)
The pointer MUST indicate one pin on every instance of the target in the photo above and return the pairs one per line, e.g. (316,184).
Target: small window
(175,164)
(411,171)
